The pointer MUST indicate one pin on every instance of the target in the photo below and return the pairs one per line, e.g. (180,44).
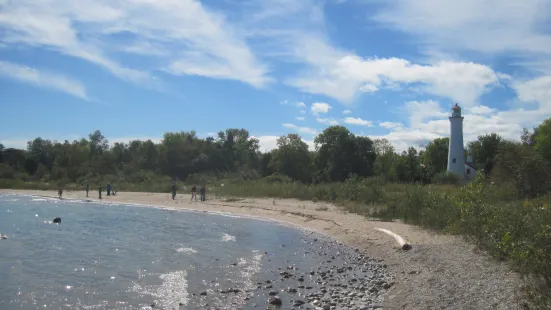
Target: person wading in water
(99,191)
(194,192)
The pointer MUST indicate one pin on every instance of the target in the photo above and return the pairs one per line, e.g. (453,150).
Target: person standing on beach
(99,191)
(194,192)
(60,192)
(203,192)
(108,189)
(173,190)
(87,189)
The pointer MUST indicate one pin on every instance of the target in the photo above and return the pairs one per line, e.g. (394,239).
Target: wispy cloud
(191,38)
(327,121)
(346,112)
(358,121)
(306,130)
(42,79)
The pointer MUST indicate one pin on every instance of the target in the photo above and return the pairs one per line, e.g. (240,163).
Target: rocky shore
(345,278)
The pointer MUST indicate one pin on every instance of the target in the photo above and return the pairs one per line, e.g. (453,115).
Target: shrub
(445,178)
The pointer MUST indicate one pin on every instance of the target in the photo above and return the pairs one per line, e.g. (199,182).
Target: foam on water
(170,293)
(185,250)
(227,237)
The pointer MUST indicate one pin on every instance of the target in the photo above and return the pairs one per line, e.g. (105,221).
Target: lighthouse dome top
(456,111)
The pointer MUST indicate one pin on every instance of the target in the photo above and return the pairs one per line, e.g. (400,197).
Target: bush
(277,178)
(445,178)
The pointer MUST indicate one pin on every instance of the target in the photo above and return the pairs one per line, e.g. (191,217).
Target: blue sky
(385,69)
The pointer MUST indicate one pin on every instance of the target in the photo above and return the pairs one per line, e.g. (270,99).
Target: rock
(2,237)
(203,293)
(326,307)
(298,303)
(275,300)
(272,293)
(57,220)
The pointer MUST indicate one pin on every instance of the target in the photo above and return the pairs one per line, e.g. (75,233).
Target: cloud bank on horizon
(384,69)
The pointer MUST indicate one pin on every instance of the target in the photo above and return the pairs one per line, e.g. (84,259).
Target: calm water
(107,256)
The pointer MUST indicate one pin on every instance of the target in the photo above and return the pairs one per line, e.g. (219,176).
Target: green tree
(522,167)
(340,154)
(484,151)
(436,154)
(385,157)
(542,139)
(292,158)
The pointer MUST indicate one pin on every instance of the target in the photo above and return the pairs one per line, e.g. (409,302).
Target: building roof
(471,166)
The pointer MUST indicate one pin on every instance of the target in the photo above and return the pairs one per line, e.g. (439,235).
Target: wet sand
(440,272)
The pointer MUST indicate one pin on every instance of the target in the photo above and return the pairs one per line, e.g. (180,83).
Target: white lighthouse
(456,152)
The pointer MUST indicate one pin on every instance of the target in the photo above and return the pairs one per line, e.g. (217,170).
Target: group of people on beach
(108,188)
(202,192)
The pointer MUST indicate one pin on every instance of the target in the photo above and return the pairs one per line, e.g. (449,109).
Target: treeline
(235,155)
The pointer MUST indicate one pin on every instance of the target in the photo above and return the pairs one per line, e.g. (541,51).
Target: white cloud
(390,125)
(341,75)
(200,41)
(491,26)
(481,109)
(369,88)
(302,111)
(327,121)
(298,104)
(357,121)
(42,79)
(346,112)
(299,118)
(320,108)
(305,130)
(301,105)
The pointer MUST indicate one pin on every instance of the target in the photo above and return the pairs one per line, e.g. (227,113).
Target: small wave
(12,199)
(226,237)
(39,199)
(185,250)
(171,293)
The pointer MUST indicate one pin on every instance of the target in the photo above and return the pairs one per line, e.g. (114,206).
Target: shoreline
(440,271)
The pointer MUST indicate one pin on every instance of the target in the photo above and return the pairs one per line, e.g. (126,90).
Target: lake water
(113,256)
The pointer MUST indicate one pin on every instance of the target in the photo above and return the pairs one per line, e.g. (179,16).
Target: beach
(439,272)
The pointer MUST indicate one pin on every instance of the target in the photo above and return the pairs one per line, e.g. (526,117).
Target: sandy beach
(439,272)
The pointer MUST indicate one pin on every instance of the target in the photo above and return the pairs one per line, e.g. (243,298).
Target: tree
(385,157)
(340,154)
(98,143)
(436,154)
(542,139)
(523,167)
(292,158)
(484,151)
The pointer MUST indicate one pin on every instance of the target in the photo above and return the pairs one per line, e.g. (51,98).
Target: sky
(392,69)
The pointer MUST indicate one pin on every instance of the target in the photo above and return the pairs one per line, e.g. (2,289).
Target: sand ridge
(440,272)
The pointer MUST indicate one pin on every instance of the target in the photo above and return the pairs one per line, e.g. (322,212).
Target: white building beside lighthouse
(456,152)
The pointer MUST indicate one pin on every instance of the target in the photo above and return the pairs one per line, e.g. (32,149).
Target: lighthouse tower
(456,153)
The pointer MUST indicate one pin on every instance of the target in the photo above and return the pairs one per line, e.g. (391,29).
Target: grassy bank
(518,231)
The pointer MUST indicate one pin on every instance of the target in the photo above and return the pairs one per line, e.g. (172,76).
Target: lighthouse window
(453,160)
